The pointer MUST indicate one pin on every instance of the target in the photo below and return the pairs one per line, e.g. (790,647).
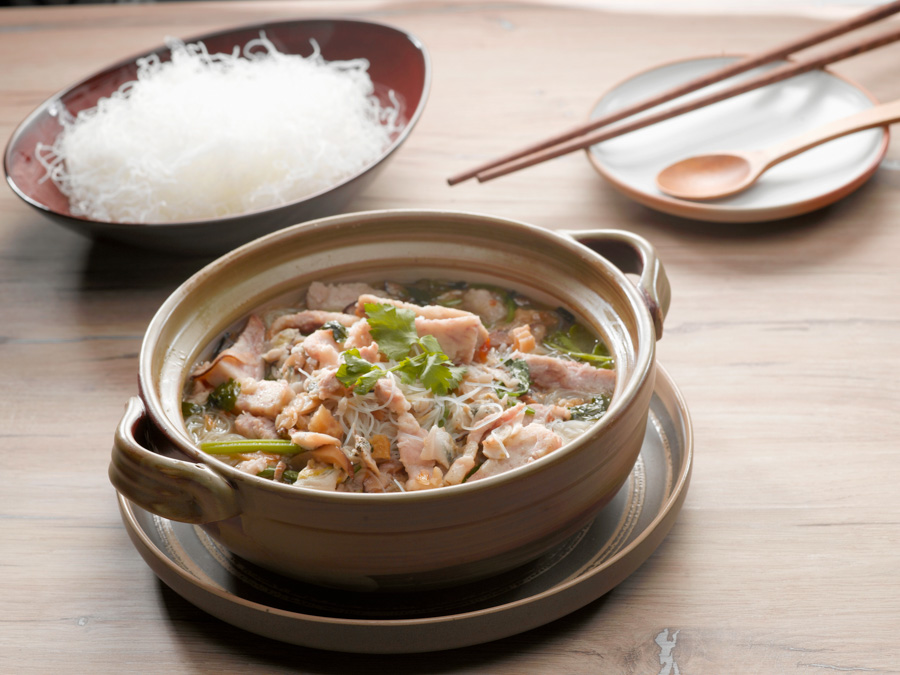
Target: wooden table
(783,338)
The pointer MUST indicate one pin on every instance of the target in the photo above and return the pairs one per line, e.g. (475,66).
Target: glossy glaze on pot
(406,540)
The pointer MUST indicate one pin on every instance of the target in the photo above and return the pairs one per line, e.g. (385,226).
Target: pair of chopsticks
(581,137)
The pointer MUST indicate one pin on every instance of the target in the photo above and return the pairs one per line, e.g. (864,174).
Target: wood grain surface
(783,338)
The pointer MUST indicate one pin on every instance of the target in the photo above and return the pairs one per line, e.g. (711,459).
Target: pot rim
(643,366)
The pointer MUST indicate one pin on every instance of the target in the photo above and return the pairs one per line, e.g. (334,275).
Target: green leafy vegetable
(353,367)
(575,339)
(358,373)
(428,291)
(188,409)
(430,344)
(435,370)
(239,446)
(289,476)
(409,368)
(338,330)
(366,381)
(519,368)
(591,411)
(393,328)
(225,395)
(578,343)
(418,359)
(440,375)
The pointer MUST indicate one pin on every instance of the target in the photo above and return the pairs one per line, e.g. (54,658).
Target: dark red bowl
(397,61)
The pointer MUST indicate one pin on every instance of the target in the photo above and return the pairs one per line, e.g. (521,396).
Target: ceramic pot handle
(171,488)
(634,255)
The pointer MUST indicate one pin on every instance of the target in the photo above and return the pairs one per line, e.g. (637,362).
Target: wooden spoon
(726,173)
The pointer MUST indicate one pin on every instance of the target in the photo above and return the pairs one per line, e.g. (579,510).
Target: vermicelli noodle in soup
(398,388)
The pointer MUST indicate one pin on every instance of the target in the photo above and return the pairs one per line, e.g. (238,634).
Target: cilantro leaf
(393,328)
(358,373)
(352,367)
(440,375)
(430,344)
(418,359)
(365,382)
(410,368)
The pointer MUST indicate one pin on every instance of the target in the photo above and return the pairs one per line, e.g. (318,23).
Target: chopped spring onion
(239,446)
(471,471)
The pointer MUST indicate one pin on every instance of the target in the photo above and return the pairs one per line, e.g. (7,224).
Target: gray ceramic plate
(581,570)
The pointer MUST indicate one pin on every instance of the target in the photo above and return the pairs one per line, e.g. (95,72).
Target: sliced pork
(263,398)
(410,437)
(243,359)
(322,351)
(513,446)
(310,320)
(487,304)
(551,372)
(251,426)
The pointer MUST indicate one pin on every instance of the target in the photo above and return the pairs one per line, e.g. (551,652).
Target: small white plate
(588,565)
(752,120)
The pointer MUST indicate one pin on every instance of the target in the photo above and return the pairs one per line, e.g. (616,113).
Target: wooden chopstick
(749,63)
(770,77)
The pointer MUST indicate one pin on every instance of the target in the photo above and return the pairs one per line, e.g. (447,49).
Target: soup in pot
(398,388)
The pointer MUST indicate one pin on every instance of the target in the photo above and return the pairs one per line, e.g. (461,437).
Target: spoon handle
(877,116)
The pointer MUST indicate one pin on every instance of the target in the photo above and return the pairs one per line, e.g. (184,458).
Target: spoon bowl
(723,174)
